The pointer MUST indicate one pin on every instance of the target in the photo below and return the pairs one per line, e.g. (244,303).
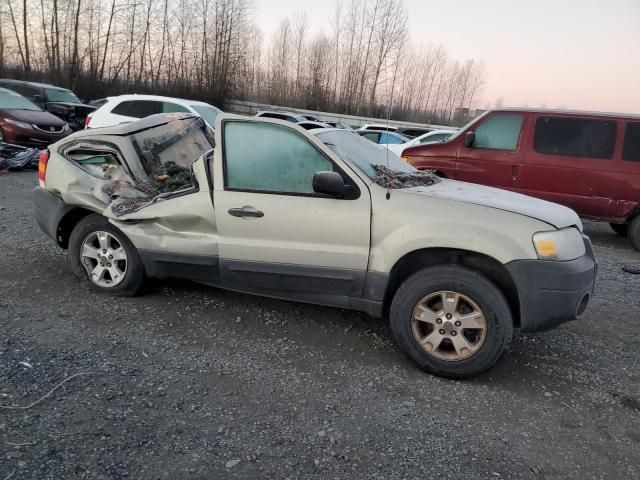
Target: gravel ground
(191,382)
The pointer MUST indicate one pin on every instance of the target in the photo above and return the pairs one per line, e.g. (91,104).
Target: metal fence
(251,108)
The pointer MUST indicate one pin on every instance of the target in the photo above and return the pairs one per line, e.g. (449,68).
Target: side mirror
(470,139)
(329,183)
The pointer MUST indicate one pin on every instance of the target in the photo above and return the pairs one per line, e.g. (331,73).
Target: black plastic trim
(49,211)
(550,293)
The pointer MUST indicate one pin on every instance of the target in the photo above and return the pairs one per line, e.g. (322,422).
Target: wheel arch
(419,259)
(67,223)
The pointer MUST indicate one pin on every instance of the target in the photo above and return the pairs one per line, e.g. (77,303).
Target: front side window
(499,132)
(276,159)
(631,149)
(575,137)
(168,107)
(387,139)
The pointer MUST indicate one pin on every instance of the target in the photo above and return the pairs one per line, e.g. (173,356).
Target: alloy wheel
(104,258)
(449,326)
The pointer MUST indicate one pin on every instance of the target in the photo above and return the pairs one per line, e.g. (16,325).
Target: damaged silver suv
(319,216)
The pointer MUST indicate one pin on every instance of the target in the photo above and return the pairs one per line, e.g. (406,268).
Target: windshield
(207,112)
(362,153)
(60,95)
(13,101)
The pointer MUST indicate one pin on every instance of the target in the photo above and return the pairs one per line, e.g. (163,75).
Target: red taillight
(87,120)
(42,167)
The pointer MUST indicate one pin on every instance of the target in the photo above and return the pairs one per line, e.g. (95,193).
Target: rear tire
(105,258)
(451,321)
(621,229)
(634,232)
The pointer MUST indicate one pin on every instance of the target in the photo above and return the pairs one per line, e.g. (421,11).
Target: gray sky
(581,54)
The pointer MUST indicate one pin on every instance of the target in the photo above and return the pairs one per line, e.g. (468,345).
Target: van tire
(621,229)
(634,232)
(131,282)
(498,319)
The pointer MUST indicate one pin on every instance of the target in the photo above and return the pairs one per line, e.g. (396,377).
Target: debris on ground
(395,179)
(632,268)
(14,157)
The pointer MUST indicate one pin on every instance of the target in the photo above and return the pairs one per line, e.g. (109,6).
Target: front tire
(621,229)
(105,258)
(451,321)
(634,232)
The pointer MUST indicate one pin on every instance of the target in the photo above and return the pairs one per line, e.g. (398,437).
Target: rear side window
(277,159)
(138,108)
(575,137)
(631,149)
(499,132)
(372,136)
(277,116)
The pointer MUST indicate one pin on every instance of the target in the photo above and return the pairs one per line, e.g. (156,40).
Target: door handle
(515,171)
(249,212)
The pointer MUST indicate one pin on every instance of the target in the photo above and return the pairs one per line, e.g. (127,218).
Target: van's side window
(575,137)
(631,149)
(499,132)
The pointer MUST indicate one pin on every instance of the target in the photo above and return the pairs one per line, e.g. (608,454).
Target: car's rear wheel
(634,232)
(103,256)
(452,321)
(621,229)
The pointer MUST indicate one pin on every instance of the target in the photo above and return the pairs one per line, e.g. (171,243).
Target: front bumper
(552,293)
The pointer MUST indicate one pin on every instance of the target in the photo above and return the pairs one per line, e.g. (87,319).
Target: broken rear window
(177,144)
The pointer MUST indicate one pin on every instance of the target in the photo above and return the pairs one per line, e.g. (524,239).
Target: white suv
(128,108)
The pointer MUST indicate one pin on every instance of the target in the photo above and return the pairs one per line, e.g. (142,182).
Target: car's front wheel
(621,229)
(452,321)
(634,232)
(103,256)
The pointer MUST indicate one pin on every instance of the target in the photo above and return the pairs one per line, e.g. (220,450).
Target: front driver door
(496,157)
(276,236)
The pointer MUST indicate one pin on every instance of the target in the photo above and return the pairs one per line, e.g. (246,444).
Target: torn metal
(393,179)
(162,163)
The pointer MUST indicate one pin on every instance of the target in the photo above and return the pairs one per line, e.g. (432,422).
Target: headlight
(560,245)
(18,124)
(66,127)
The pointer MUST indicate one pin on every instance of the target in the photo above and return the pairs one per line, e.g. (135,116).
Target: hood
(33,117)
(548,212)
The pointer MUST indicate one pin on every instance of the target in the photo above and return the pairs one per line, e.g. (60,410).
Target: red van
(589,162)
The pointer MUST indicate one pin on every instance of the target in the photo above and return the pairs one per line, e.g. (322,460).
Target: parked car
(383,138)
(378,127)
(24,123)
(456,267)
(128,108)
(589,162)
(413,132)
(313,125)
(340,125)
(311,118)
(61,102)
(98,102)
(278,115)
(434,136)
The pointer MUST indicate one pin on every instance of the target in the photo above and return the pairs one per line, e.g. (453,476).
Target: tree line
(364,63)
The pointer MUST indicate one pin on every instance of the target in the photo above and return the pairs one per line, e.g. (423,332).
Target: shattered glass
(393,179)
